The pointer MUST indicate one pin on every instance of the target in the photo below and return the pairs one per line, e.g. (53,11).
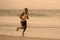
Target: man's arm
(21,15)
(27,17)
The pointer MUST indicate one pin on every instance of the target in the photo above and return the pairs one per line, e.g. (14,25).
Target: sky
(31,4)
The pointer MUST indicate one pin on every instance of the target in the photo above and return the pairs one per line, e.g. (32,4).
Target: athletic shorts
(24,23)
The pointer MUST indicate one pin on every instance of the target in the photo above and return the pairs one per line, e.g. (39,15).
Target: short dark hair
(26,9)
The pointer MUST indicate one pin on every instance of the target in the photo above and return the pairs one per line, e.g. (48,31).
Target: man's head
(26,9)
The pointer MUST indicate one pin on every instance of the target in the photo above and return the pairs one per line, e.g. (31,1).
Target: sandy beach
(5,37)
(39,28)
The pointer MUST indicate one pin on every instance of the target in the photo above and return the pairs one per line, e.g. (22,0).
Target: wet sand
(38,28)
(5,37)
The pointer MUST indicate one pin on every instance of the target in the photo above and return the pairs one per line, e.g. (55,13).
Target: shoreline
(6,37)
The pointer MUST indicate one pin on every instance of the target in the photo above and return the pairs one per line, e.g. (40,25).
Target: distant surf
(32,12)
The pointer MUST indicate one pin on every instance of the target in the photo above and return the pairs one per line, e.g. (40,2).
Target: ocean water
(32,12)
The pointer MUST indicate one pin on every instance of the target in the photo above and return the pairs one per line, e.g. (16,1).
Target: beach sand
(6,37)
(39,28)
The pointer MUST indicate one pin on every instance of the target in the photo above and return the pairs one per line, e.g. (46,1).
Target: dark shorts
(24,24)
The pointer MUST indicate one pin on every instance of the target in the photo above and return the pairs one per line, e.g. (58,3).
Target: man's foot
(23,34)
(17,29)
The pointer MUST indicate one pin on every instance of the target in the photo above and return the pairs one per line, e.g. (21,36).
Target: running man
(23,18)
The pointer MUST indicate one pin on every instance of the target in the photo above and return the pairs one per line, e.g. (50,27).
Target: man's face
(26,10)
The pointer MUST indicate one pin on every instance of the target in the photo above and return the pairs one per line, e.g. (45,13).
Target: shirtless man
(23,18)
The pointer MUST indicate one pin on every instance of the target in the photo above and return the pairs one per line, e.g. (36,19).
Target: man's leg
(22,23)
(19,28)
(24,31)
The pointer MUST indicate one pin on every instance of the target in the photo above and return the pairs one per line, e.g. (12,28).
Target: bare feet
(23,34)
(17,29)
